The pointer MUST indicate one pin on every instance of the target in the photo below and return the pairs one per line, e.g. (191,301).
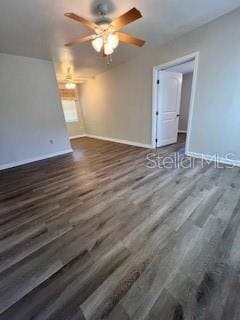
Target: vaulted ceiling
(38,28)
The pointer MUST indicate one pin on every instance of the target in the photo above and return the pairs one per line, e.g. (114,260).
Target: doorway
(173,99)
(72,111)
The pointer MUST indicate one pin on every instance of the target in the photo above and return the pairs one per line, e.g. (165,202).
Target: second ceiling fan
(107,35)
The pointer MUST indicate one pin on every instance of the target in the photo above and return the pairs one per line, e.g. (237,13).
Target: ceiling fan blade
(81,40)
(129,39)
(84,21)
(126,18)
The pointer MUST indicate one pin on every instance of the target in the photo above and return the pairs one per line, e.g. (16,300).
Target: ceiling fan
(107,35)
(71,82)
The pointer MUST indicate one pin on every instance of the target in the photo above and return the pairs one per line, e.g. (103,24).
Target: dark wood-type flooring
(98,235)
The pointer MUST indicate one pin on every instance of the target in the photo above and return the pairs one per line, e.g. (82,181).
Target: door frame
(193,56)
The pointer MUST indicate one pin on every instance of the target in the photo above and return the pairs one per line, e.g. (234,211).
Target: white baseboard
(218,159)
(131,143)
(51,155)
(46,156)
(79,136)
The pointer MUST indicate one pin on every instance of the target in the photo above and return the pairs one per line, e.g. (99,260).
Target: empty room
(119,160)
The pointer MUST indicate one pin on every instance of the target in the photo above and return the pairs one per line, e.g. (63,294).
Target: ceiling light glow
(70,85)
(113,40)
(97,44)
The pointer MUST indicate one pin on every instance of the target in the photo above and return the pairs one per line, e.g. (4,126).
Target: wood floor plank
(100,235)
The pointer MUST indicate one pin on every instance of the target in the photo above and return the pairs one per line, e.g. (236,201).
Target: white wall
(185,101)
(30,111)
(117,104)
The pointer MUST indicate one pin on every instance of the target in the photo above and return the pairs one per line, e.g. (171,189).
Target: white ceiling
(38,28)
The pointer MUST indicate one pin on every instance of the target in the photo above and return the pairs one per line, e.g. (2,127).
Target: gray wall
(117,104)
(185,101)
(30,111)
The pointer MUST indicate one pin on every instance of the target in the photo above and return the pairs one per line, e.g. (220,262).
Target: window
(70,110)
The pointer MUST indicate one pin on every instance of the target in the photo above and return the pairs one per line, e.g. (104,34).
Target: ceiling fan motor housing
(103,21)
(102,9)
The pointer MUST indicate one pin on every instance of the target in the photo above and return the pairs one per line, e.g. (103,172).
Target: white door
(169,99)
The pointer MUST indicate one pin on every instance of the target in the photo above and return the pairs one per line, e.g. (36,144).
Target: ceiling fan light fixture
(70,85)
(97,44)
(108,50)
(113,40)
(106,35)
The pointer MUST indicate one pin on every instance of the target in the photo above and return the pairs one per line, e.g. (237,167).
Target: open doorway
(173,100)
(72,110)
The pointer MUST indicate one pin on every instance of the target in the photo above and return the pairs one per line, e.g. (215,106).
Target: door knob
(178,115)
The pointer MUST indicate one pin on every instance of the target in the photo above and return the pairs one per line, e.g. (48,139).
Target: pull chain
(109,59)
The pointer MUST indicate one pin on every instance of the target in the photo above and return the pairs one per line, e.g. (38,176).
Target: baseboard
(182,131)
(79,136)
(131,143)
(207,157)
(47,156)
